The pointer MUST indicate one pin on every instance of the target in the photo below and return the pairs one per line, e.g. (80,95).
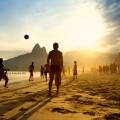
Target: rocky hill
(38,56)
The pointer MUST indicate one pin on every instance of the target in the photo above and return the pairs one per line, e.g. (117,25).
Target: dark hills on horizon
(39,56)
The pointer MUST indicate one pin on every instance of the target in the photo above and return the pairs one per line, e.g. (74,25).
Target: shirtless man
(3,72)
(55,62)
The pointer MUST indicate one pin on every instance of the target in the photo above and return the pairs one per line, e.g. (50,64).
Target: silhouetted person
(69,70)
(75,70)
(107,68)
(55,61)
(113,68)
(104,68)
(3,72)
(31,69)
(46,70)
(83,69)
(100,69)
(42,72)
(118,68)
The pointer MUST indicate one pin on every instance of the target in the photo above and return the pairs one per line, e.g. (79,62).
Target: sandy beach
(90,97)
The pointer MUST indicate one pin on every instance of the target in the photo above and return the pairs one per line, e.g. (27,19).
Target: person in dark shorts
(75,70)
(46,70)
(55,62)
(31,69)
(42,72)
(3,72)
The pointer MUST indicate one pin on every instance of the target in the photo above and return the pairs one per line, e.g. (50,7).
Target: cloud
(111,13)
(46,21)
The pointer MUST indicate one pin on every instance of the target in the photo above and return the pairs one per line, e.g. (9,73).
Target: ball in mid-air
(26,36)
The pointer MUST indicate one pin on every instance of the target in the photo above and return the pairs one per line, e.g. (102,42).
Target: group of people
(111,68)
(54,66)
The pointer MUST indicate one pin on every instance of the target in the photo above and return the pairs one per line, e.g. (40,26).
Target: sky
(74,24)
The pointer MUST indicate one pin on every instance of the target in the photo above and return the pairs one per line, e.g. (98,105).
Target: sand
(90,97)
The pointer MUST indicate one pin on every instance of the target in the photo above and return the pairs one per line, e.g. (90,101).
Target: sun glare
(86,27)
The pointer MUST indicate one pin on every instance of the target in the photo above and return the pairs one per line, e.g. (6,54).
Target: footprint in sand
(79,100)
(31,100)
(85,101)
(104,104)
(63,110)
(112,116)
(92,113)
(23,109)
(27,92)
(73,98)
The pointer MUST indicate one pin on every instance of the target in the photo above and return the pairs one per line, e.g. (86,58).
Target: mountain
(39,55)
(21,62)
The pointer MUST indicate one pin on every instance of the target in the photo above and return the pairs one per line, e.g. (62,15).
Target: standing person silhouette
(55,62)
(3,72)
(46,70)
(75,70)
(31,69)
(42,72)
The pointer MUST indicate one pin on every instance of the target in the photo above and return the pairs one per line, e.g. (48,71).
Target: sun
(85,27)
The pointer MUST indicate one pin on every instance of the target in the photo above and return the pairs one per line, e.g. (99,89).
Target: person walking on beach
(46,70)
(31,69)
(55,62)
(75,70)
(3,72)
(42,72)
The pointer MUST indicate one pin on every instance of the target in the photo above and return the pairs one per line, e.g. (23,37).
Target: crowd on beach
(110,68)
(54,67)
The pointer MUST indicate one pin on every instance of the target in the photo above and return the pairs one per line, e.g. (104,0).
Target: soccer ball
(26,36)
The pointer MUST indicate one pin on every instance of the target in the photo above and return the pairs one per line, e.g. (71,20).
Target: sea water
(19,76)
